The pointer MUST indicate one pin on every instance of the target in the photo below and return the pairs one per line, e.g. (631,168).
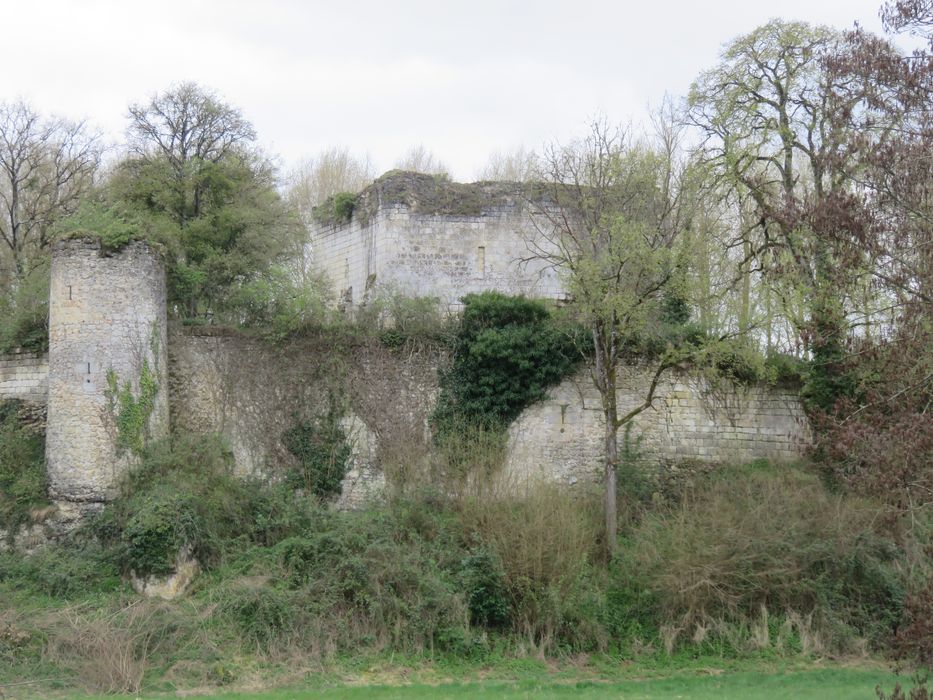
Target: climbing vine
(131,412)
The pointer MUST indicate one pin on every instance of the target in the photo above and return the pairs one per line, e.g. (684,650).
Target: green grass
(710,683)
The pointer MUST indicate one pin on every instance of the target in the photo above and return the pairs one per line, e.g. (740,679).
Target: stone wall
(424,236)
(252,393)
(560,439)
(24,376)
(107,313)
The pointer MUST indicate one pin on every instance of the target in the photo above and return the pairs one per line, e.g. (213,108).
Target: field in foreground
(710,683)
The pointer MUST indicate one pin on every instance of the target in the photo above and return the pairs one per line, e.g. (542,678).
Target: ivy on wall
(508,351)
(131,412)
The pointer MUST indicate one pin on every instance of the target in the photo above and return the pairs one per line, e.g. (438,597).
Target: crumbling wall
(252,392)
(422,235)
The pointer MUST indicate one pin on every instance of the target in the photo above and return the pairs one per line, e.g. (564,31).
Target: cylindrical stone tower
(107,328)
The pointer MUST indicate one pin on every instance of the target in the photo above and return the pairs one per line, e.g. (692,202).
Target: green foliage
(22,467)
(767,538)
(184,494)
(264,617)
(24,310)
(132,412)
(71,570)
(337,210)
(162,524)
(322,452)
(113,223)
(484,583)
(507,352)
(217,214)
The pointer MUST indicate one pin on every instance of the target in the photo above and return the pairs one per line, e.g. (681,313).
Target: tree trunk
(611,460)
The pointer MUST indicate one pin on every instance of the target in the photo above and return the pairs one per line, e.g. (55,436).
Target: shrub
(69,570)
(162,524)
(547,541)
(264,617)
(338,209)
(484,583)
(22,467)
(323,455)
(184,494)
(775,539)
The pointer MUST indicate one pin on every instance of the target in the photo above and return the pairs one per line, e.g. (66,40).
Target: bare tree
(421,160)
(330,172)
(188,127)
(611,225)
(518,165)
(46,167)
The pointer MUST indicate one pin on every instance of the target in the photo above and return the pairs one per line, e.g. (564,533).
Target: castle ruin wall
(107,314)
(24,376)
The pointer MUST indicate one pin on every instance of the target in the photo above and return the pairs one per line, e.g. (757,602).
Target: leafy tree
(767,117)
(880,439)
(612,224)
(194,181)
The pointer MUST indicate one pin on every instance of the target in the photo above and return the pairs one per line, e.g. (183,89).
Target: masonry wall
(24,376)
(422,236)
(107,313)
(560,438)
(252,393)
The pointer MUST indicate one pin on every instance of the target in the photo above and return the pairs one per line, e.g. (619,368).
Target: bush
(162,525)
(70,570)
(323,454)
(484,583)
(184,494)
(547,541)
(22,467)
(264,617)
(772,539)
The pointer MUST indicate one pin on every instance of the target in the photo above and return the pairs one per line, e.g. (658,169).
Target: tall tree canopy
(194,180)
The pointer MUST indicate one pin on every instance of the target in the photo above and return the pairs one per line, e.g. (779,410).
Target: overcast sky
(464,78)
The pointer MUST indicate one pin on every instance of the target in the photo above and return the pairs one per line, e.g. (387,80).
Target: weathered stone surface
(560,439)
(24,376)
(364,480)
(251,393)
(424,236)
(174,585)
(106,313)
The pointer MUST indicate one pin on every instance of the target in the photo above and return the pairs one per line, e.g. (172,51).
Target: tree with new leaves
(610,223)
(194,180)
(46,167)
(767,116)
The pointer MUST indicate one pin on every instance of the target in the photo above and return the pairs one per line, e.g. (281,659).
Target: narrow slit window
(481,262)
(69,292)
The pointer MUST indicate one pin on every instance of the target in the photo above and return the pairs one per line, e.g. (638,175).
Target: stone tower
(107,327)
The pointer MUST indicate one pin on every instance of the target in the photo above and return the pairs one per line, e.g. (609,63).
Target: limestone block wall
(24,376)
(107,313)
(560,439)
(427,237)
(252,393)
